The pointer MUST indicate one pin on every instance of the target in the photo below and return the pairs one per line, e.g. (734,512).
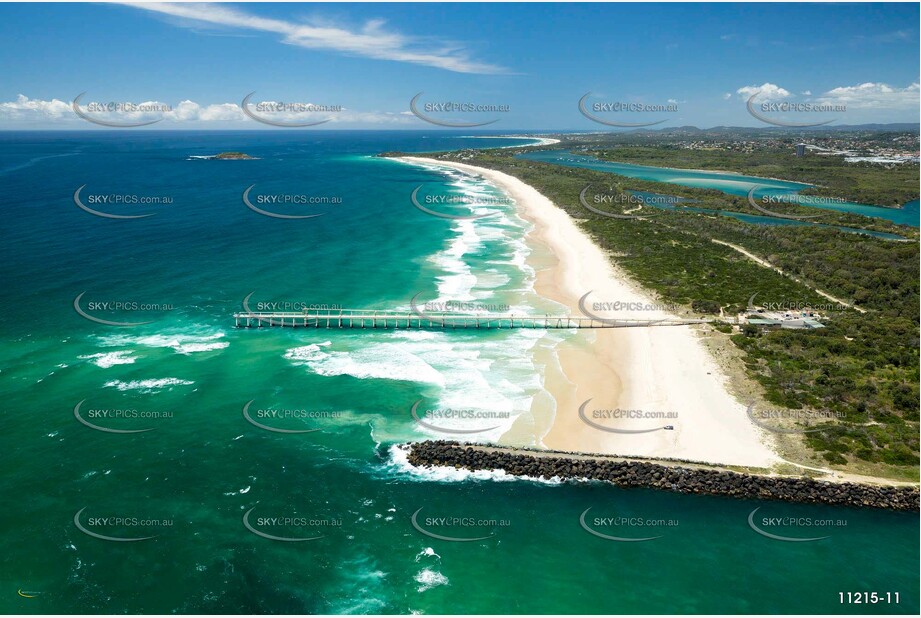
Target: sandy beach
(636,378)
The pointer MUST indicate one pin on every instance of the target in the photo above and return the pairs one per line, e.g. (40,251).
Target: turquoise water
(671,202)
(733,184)
(191,480)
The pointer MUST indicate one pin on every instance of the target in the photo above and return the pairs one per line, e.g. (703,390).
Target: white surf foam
(182,343)
(147,386)
(387,361)
(399,464)
(430,578)
(428,552)
(110,359)
(493,376)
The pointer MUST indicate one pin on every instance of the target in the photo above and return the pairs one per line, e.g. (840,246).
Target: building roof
(796,323)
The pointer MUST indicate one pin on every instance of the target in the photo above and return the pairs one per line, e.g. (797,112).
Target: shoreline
(652,372)
(541,141)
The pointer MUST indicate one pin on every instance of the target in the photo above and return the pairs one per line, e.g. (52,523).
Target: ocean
(179,516)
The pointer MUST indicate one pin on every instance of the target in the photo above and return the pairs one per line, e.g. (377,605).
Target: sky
(526,65)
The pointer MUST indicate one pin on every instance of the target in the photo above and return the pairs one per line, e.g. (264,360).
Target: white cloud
(727,96)
(371,41)
(351,117)
(767,90)
(192,111)
(24,107)
(869,95)
(872,95)
(56,112)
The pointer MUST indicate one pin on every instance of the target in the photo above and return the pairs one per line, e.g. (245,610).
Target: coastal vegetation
(862,368)
(233,155)
(861,182)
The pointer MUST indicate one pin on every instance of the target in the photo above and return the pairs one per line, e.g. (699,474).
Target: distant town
(872,145)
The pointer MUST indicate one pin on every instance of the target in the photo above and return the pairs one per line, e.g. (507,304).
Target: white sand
(657,369)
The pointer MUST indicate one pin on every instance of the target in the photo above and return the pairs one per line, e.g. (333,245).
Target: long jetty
(364,318)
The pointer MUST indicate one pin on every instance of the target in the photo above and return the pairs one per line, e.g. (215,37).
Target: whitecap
(428,552)
(309,352)
(110,359)
(382,361)
(182,343)
(399,463)
(147,386)
(429,578)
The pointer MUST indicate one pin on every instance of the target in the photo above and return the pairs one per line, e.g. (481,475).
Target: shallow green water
(190,481)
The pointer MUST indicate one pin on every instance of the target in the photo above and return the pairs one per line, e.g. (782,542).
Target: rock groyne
(678,477)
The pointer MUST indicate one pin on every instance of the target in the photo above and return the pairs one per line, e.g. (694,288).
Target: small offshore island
(228,156)
(233,155)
